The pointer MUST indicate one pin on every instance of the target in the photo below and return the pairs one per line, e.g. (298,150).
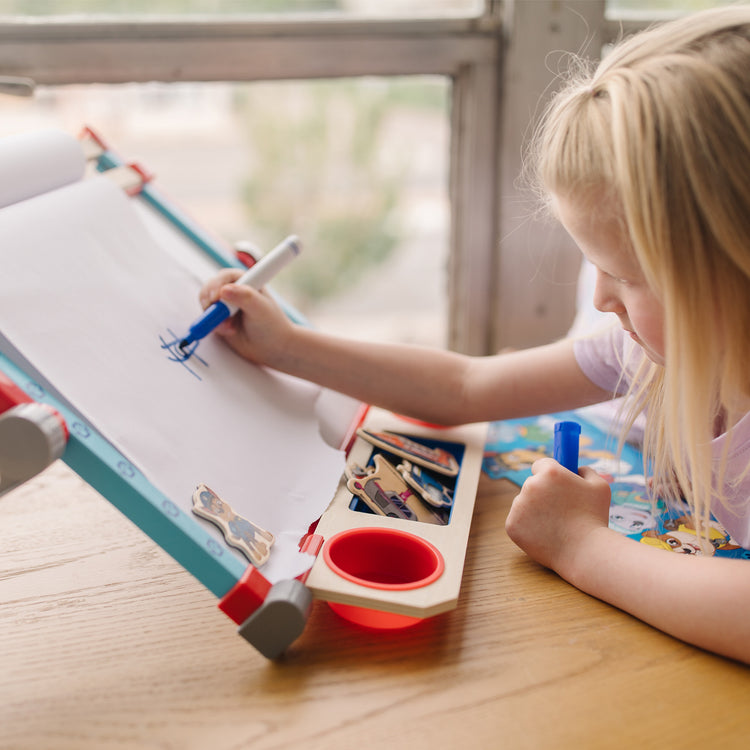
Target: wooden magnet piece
(429,489)
(385,491)
(242,534)
(437,459)
(364,484)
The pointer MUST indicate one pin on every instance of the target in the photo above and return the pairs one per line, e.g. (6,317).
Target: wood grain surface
(108,644)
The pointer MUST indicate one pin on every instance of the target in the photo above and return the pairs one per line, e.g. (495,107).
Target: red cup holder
(386,559)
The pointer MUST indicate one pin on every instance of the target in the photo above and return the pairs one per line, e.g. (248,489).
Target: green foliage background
(323,173)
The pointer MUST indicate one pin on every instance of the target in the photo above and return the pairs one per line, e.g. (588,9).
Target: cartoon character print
(631,519)
(632,511)
(679,535)
(253,541)
(517,459)
(519,444)
(520,457)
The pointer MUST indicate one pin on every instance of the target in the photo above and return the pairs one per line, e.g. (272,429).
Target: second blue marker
(567,436)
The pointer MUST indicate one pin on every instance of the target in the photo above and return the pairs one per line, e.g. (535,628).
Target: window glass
(357,167)
(654,7)
(349,8)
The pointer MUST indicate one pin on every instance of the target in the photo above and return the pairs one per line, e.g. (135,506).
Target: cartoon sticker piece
(428,488)
(436,459)
(385,492)
(380,501)
(253,541)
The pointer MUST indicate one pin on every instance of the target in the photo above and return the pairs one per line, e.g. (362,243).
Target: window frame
(497,64)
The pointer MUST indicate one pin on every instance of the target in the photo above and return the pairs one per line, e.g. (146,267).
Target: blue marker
(566,444)
(256,276)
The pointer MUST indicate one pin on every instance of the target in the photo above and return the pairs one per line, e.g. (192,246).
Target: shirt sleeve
(608,359)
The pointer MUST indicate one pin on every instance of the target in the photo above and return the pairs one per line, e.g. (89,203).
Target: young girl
(647,165)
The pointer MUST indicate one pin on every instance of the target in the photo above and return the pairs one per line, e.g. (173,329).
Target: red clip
(145,178)
(10,394)
(245,257)
(357,422)
(245,596)
(311,545)
(88,132)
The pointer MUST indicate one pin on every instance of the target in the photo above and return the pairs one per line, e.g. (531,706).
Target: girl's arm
(560,519)
(429,384)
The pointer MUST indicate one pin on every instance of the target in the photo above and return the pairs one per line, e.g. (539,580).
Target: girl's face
(620,285)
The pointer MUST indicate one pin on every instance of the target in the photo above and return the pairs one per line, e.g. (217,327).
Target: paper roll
(37,162)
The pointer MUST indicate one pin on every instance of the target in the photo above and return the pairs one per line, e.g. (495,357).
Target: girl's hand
(260,331)
(555,511)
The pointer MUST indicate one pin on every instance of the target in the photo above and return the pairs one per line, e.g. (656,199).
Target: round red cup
(385,559)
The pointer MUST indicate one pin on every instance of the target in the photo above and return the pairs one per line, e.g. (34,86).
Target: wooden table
(108,643)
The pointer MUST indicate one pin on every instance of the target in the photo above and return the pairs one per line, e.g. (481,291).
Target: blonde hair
(661,131)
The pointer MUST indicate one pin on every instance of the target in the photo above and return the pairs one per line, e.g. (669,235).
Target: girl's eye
(619,280)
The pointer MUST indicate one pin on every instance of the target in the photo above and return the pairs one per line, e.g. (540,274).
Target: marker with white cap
(256,277)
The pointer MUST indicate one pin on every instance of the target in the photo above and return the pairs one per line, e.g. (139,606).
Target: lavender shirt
(609,359)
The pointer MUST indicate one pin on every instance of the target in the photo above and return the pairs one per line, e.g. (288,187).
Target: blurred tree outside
(325,168)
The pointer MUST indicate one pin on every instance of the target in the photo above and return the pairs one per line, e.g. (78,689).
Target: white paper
(88,298)
(34,163)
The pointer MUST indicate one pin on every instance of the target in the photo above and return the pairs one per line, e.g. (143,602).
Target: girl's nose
(606,298)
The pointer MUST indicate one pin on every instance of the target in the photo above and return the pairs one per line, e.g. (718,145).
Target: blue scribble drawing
(175,353)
